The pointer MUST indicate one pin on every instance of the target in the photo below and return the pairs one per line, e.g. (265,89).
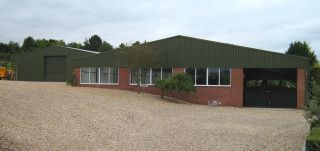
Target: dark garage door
(55,68)
(270,88)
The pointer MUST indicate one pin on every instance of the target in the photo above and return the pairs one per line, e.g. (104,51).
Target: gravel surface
(53,116)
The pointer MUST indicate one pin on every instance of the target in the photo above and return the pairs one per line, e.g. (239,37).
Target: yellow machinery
(6,70)
(3,73)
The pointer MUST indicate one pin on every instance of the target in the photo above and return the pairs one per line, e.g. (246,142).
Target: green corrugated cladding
(30,66)
(182,51)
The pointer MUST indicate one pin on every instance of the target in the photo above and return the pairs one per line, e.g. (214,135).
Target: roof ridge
(78,49)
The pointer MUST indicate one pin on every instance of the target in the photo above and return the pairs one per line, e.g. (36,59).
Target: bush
(184,82)
(312,107)
(179,82)
(313,140)
(71,80)
(165,85)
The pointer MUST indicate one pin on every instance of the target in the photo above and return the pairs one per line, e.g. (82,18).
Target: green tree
(13,47)
(105,46)
(136,43)
(86,44)
(29,44)
(53,42)
(95,42)
(122,45)
(75,45)
(303,49)
(41,43)
(139,57)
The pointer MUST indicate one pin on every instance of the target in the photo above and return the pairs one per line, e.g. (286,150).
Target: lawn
(53,116)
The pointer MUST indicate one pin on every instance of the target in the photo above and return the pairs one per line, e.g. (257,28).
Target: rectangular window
(166,72)
(145,75)
(210,76)
(191,72)
(156,74)
(201,74)
(84,75)
(134,76)
(224,76)
(113,75)
(213,76)
(149,75)
(93,75)
(104,75)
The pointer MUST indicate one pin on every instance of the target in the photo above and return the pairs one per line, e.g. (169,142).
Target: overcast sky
(264,24)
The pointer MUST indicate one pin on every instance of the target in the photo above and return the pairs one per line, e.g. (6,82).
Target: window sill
(100,83)
(212,85)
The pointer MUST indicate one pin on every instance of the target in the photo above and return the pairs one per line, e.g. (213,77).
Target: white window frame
(150,80)
(98,83)
(207,77)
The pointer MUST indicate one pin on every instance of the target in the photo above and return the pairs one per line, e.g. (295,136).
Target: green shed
(53,63)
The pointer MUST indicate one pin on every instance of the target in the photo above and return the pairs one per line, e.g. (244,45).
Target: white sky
(264,24)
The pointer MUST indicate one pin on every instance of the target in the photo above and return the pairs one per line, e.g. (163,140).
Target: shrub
(312,107)
(184,82)
(165,85)
(71,80)
(313,140)
(179,82)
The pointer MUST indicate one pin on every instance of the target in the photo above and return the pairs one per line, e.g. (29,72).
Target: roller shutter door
(55,68)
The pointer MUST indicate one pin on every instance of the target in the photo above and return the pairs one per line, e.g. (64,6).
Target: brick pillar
(124,78)
(76,72)
(301,87)
(178,70)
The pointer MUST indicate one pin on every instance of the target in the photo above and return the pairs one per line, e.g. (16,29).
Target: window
(213,76)
(191,72)
(93,75)
(84,75)
(108,75)
(224,76)
(156,74)
(145,75)
(134,73)
(105,75)
(166,72)
(149,75)
(113,75)
(201,76)
(210,76)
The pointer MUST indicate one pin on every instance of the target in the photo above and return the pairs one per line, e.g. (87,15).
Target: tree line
(94,43)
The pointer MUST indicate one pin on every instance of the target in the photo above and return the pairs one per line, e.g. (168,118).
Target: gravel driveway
(53,116)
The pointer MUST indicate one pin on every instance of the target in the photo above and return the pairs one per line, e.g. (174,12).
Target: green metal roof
(183,51)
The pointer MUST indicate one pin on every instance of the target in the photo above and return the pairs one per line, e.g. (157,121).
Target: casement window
(108,75)
(84,75)
(103,75)
(149,75)
(93,73)
(156,74)
(210,76)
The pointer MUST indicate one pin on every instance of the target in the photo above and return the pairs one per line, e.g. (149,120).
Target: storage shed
(53,63)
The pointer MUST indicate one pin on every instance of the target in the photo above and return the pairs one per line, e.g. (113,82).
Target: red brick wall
(301,87)
(227,95)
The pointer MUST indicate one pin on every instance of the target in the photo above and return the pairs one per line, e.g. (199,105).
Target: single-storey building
(53,63)
(229,74)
